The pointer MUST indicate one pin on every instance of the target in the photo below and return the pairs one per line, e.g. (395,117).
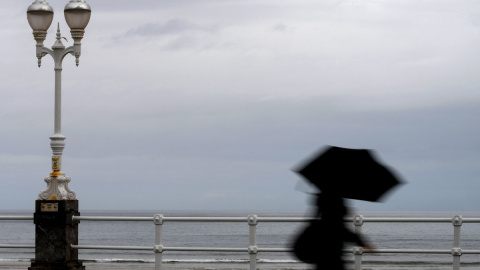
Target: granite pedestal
(54,233)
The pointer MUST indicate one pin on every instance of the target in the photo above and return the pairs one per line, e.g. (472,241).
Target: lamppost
(40,16)
(54,229)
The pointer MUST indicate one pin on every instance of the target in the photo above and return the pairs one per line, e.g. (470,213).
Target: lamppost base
(57,186)
(55,232)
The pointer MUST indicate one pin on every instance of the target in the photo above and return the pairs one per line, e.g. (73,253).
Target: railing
(455,251)
(16,218)
(158,220)
(253,249)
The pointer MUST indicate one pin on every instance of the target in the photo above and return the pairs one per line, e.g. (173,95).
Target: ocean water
(227,234)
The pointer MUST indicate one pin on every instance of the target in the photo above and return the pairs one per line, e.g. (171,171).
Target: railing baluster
(253,249)
(358,251)
(456,250)
(158,220)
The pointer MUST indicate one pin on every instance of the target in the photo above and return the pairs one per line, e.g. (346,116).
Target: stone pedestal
(54,233)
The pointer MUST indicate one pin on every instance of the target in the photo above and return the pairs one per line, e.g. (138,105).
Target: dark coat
(321,243)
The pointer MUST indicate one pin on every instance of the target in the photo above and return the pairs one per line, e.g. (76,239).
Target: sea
(228,234)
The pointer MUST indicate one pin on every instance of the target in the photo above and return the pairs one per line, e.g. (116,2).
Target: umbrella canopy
(349,173)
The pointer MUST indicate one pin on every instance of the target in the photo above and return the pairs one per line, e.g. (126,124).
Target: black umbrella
(349,173)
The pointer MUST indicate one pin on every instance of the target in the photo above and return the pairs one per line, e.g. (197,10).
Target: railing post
(253,249)
(358,251)
(456,250)
(158,249)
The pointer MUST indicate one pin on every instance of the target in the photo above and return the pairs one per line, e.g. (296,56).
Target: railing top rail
(207,219)
(109,218)
(180,219)
(150,248)
(412,251)
(285,219)
(16,246)
(261,219)
(193,219)
(415,219)
(16,217)
(404,219)
(218,249)
(267,249)
(471,220)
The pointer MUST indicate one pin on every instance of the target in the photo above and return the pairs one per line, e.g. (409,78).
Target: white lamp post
(40,16)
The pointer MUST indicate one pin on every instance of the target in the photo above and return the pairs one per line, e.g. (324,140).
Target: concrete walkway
(173,266)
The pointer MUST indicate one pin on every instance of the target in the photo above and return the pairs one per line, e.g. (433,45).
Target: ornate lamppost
(40,16)
(55,231)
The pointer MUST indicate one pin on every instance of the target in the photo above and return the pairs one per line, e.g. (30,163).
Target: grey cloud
(178,34)
(127,5)
(280,27)
(392,77)
(170,27)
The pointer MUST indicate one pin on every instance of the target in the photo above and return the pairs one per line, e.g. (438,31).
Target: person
(321,243)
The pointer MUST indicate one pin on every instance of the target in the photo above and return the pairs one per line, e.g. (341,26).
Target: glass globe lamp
(40,16)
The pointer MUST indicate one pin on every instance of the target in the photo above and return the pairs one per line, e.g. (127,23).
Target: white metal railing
(158,220)
(455,251)
(253,249)
(16,218)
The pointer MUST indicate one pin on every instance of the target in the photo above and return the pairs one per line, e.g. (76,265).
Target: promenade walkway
(170,266)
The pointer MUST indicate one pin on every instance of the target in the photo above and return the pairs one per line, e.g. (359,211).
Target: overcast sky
(209,104)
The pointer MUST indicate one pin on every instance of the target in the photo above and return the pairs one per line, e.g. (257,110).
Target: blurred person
(321,243)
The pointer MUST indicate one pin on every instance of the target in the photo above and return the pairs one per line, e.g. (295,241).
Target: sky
(210,104)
